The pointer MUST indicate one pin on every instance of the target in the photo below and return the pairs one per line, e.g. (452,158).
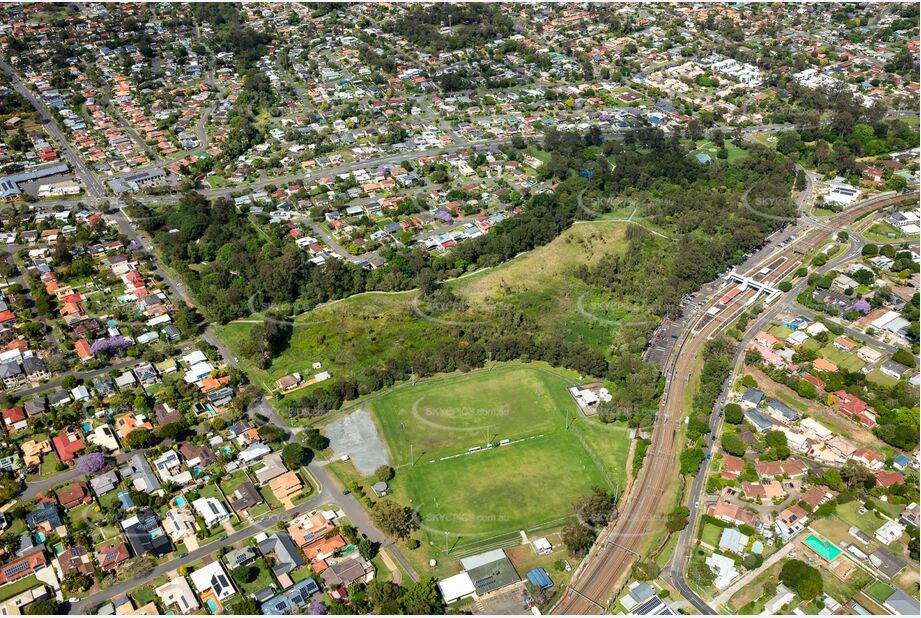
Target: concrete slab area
(357,436)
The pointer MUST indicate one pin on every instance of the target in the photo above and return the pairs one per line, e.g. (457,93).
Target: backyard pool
(213,607)
(86,427)
(757,547)
(39,537)
(179,501)
(827,550)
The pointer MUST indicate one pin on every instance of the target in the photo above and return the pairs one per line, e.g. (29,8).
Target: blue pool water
(87,427)
(213,606)
(180,501)
(156,532)
(40,537)
(757,547)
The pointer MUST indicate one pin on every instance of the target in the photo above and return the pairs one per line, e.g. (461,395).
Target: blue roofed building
(539,579)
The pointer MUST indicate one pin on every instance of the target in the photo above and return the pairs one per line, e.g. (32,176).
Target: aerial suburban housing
(497,308)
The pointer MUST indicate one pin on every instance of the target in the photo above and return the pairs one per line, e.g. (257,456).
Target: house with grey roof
(141,474)
(886,563)
(751,398)
(287,556)
(902,604)
(104,483)
(782,411)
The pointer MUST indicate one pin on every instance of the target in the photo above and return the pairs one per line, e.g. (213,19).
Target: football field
(466,492)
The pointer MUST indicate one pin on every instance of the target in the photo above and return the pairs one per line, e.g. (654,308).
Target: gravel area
(356,435)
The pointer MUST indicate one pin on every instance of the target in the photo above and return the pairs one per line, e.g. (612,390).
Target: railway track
(606,567)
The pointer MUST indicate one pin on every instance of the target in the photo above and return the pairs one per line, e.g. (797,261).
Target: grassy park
(533,480)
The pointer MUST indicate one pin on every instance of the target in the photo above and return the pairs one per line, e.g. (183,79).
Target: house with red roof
(83,349)
(856,408)
(888,479)
(871,459)
(68,445)
(7,318)
(74,495)
(15,419)
(732,467)
(808,377)
(110,556)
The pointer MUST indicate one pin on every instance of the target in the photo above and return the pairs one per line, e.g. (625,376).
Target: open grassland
(541,286)
(350,336)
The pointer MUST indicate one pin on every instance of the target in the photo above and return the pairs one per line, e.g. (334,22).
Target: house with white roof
(177,593)
(212,579)
(724,568)
(212,510)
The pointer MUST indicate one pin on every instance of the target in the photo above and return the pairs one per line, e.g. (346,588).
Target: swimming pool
(213,607)
(827,550)
(180,501)
(87,427)
(40,537)
(757,547)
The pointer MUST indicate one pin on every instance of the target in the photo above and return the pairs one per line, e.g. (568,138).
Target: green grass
(792,401)
(495,492)
(10,590)
(85,512)
(143,595)
(347,337)
(868,522)
(845,360)
(263,579)
(350,337)
(878,377)
(781,332)
(707,147)
(445,417)
(501,490)
(711,535)
(879,592)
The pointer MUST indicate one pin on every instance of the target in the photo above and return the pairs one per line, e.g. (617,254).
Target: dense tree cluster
(230,34)
(470,25)
(805,580)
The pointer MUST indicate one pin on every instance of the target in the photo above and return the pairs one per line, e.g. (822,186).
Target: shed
(538,577)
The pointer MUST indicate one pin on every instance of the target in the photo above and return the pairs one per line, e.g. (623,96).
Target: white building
(179,524)
(724,568)
(178,593)
(212,510)
(213,577)
(889,532)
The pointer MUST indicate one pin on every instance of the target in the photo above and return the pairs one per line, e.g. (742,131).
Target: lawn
(499,491)
(878,377)
(781,332)
(262,579)
(143,595)
(707,147)
(12,589)
(711,534)
(879,592)
(445,417)
(845,360)
(792,401)
(868,522)
(85,512)
(468,498)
